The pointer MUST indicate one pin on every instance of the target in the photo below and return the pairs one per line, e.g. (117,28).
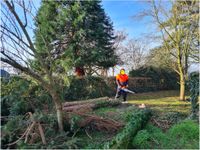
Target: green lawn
(161,101)
(165,126)
(168,127)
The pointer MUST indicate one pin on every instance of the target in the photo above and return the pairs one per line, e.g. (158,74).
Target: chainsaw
(127,90)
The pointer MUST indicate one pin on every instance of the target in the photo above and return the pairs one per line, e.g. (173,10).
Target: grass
(184,135)
(161,101)
(181,134)
(117,113)
(165,106)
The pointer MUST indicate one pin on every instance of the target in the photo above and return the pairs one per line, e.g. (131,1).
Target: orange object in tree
(79,71)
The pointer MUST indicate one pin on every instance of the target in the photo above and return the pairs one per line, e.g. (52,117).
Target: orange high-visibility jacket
(122,79)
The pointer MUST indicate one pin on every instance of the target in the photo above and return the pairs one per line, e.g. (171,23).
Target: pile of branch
(31,133)
(95,122)
(163,124)
(88,105)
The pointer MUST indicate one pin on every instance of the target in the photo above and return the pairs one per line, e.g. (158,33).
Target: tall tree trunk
(186,67)
(182,87)
(58,105)
(181,71)
(182,77)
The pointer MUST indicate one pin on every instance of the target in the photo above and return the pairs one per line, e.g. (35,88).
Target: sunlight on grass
(162,101)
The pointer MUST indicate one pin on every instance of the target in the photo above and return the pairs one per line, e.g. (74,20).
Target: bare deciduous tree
(134,54)
(175,27)
(177,22)
(18,50)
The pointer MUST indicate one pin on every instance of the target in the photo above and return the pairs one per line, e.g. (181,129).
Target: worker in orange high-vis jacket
(122,83)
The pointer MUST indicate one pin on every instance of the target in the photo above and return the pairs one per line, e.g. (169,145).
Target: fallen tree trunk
(80,108)
(67,104)
(122,140)
(90,104)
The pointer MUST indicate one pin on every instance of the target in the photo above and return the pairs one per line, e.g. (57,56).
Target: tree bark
(182,87)
(182,79)
(95,100)
(181,72)
(59,111)
(186,67)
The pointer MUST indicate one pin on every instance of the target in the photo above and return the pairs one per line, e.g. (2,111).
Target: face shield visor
(122,72)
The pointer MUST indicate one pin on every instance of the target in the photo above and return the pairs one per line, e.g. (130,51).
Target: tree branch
(158,20)
(14,64)
(11,8)
(24,13)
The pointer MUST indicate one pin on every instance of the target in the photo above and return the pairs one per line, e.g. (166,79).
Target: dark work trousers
(121,92)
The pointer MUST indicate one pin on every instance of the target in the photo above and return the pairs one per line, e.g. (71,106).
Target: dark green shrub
(11,130)
(164,78)
(141,139)
(184,135)
(19,96)
(12,94)
(86,88)
(194,93)
(150,137)
(123,139)
(186,129)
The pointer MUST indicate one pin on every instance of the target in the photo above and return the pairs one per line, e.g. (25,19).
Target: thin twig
(88,134)
(42,134)
(29,131)
(76,132)
(19,138)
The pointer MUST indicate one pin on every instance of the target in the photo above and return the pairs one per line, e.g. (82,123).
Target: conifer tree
(83,27)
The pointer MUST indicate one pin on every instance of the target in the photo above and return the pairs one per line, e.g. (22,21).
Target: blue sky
(121,13)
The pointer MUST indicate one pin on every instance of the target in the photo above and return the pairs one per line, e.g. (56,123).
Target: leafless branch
(11,8)
(24,13)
